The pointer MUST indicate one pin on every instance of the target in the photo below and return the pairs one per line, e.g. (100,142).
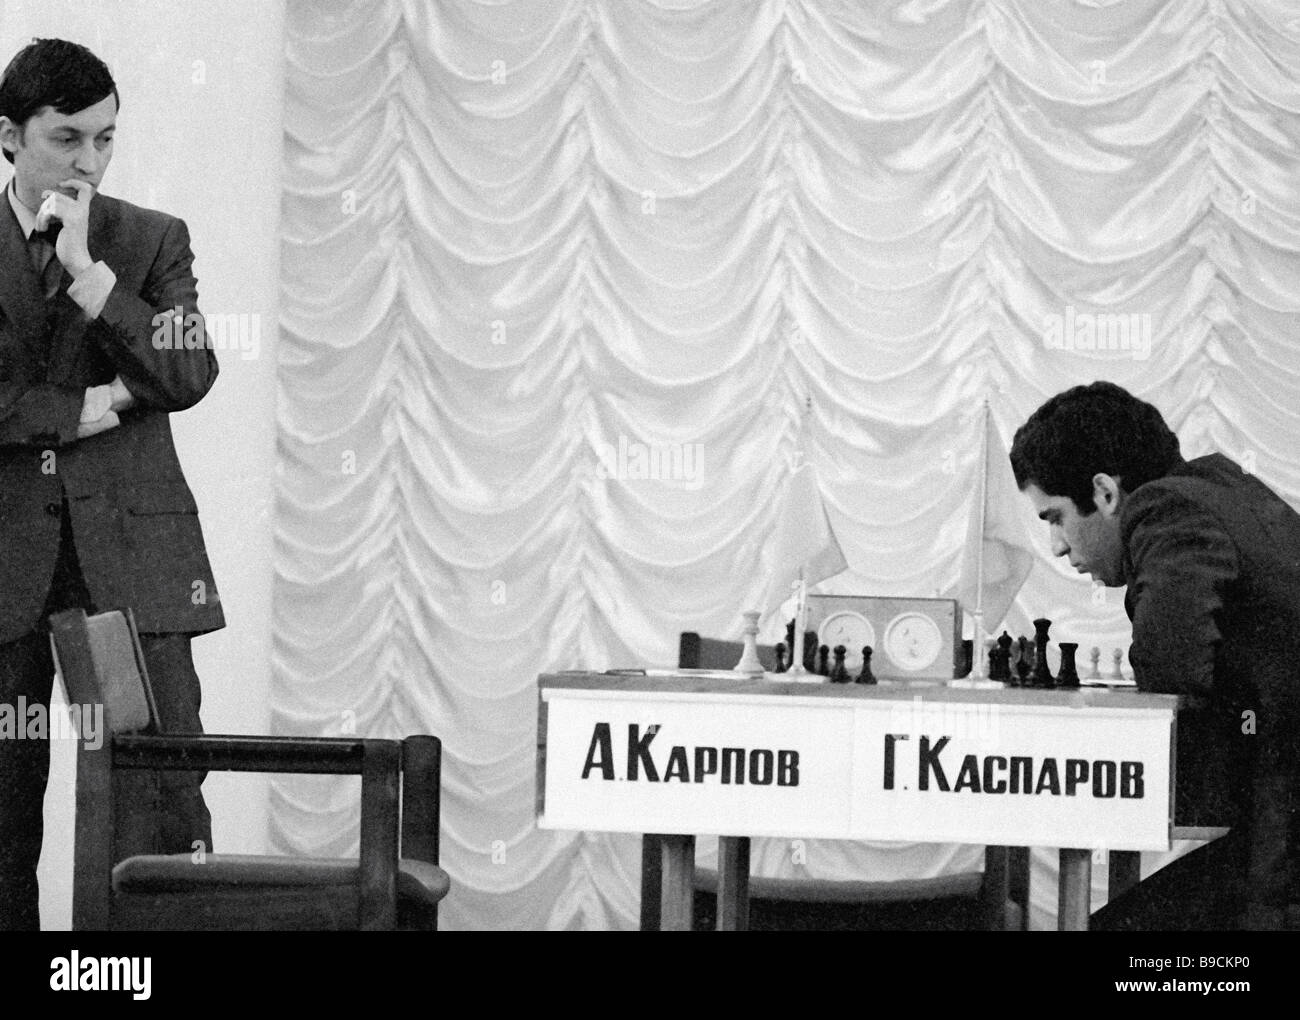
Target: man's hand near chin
(73,214)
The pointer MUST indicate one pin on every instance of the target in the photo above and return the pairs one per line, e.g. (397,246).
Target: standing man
(94,509)
(1211,558)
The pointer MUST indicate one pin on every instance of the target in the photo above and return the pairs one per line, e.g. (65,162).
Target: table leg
(651,880)
(677,901)
(994,891)
(733,883)
(1125,872)
(1075,900)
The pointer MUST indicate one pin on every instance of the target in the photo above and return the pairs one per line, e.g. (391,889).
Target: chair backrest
(695,652)
(100,661)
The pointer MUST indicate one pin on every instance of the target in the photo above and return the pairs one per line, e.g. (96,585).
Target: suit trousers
(153,812)
(1204,890)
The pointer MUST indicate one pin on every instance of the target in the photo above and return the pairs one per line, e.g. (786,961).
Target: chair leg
(1073,904)
(1125,871)
(677,899)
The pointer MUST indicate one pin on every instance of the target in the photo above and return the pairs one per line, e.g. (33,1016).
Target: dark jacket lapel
(20,291)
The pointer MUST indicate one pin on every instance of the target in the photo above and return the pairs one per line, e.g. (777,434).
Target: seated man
(1211,558)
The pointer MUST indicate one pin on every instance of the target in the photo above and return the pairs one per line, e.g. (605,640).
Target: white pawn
(1118,656)
(1095,658)
(749,661)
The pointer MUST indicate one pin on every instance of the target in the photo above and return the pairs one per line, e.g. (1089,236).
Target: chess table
(683,753)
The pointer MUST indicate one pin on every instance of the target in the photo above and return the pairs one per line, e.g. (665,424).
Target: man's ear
(11,134)
(1106,493)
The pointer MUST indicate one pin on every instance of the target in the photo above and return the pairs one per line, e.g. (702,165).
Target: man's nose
(1059,545)
(88,160)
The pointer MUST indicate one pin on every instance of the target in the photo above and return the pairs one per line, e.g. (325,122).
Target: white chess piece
(749,661)
(1118,656)
(1095,657)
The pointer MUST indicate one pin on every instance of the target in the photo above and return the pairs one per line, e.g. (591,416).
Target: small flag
(998,554)
(804,540)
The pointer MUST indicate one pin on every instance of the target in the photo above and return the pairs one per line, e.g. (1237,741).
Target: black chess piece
(866,676)
(824,660)
(810,651)
(1000,660)
(789,637)
(780,658)
(1067,675)
(839,674)
(1022,662)
(1042,673)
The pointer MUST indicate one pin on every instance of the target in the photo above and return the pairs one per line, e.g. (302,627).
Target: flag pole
(977,662)
(801,597)
(800,621)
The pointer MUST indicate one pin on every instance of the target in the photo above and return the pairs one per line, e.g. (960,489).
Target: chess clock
(919,639)
(850,629)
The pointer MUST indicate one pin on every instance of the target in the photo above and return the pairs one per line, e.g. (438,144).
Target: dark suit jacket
(134,520)
(1212,560)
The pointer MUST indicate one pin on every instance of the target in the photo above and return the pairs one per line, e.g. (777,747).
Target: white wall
(199,136)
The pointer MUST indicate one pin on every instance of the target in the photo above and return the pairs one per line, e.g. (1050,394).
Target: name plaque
(900,762)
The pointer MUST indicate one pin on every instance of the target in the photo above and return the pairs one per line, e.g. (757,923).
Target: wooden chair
(101,664)
(984,900)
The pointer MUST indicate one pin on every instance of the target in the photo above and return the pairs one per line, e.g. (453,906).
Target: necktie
(49,270)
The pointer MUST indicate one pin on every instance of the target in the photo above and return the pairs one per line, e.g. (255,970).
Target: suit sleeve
(41,415)
(1183,562)
(138,332)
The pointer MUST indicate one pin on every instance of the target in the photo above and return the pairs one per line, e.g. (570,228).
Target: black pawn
(839,674)
(824,660)
(866,676)
(1022,663)
(1042,674)
(810,651)
(780,658)
(1068,675)
(1000,659)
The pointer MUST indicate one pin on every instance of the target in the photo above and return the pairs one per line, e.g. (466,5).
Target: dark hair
(53,72)
(1101,428)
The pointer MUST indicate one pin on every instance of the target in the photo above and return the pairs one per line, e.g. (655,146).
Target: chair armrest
(1201,833)
(199,753)
(421,882)
(964,885)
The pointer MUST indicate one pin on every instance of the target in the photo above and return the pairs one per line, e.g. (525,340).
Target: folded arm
(42,415)
(145,335)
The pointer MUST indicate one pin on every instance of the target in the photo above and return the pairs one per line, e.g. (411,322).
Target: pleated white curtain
(559,276)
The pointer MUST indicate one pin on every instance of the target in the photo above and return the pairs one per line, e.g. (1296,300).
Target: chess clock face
(913,641)
(852,630)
